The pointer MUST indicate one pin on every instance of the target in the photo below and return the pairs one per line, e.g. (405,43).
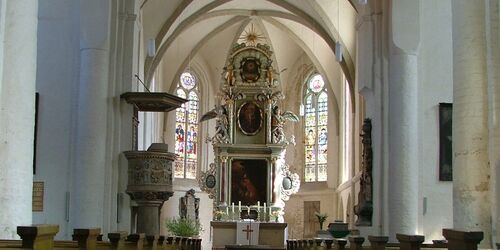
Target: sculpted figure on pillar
(364,209)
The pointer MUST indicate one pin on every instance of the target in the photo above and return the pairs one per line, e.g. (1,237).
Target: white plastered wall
(57,84)
(435,86)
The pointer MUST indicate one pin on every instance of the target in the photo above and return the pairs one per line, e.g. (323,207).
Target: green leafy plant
(183,227)
(321,218)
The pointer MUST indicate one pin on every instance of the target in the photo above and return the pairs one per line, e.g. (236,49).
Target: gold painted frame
(250,118)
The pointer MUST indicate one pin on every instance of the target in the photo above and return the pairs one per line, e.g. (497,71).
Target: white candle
(227,210)
(270,210)
(264,207)
(258,206)
(239,206)
(248,211)
(232,207)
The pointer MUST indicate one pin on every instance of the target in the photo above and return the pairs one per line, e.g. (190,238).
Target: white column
(88,199)
(471,186)
(403,119)
(18,33)
(493,62)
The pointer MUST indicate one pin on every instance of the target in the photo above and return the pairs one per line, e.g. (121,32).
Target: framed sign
(250,118)
(37,199)
(445,142)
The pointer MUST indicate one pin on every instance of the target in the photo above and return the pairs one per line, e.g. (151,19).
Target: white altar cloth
(247,233)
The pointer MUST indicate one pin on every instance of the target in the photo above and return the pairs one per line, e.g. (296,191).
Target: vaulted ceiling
(204,31)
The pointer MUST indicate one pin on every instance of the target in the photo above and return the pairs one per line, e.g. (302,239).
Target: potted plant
(184,227)
(321,219)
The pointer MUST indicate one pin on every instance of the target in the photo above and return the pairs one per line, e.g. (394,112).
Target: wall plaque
(37,203)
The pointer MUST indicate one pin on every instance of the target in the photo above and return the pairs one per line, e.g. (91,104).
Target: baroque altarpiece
(250,143)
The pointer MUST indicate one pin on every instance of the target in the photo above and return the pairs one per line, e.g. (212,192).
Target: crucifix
(248,231)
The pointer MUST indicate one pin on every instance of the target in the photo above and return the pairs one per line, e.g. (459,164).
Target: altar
(269,233)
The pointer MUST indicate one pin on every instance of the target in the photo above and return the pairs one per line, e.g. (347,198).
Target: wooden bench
(457,240)
(41,237)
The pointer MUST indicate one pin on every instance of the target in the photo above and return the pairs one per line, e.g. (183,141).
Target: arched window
(186,128)
(315,129)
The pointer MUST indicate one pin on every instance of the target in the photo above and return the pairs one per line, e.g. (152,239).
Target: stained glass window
(315,129)
(186,128)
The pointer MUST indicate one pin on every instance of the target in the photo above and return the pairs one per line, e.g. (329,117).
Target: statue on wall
(277,121)
(364,209)
(229,75)
(221,126)
(222,123)
(189,205)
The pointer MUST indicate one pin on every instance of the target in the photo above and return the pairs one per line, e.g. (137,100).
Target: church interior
(380,115)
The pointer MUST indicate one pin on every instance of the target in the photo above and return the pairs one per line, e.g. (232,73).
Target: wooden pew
(462,240)
(41,237)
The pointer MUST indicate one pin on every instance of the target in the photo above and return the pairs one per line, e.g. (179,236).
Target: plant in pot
(184,227)
(321,219)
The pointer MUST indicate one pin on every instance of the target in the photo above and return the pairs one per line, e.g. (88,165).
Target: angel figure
(277,122)
(221,125)
(229,76)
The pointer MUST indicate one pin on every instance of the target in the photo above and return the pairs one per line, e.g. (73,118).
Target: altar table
(270,234)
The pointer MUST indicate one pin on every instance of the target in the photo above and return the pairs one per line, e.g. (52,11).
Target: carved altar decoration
(252,179)
(290,183)
(208,180)
(364,208)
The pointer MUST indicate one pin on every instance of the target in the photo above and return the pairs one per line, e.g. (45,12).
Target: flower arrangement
(219,214)
(275,215)
(184,227)
(321,219)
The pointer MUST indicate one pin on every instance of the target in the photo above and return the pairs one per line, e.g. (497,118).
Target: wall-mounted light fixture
(151,47)
(338,52)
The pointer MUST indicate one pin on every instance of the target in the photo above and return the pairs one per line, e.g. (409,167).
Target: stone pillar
(18,50)
(471,197)
(403,121)
(493,62)
(88,201)
(223,186)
